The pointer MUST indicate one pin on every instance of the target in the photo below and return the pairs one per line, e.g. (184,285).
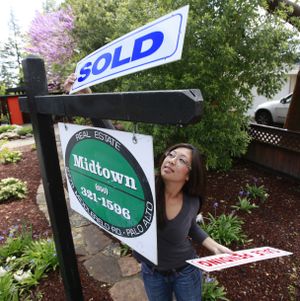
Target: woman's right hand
(69,83)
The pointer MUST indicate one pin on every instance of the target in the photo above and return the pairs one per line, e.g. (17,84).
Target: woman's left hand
(215,247)
(219,249)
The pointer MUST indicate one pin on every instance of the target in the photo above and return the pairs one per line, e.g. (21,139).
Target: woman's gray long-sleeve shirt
(174,241)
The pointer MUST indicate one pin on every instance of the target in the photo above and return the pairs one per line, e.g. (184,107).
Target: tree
(94,26)
(291,10)
(50,37)
(230,48)
(10,55)
(2,89)
(292,121)
(49,6)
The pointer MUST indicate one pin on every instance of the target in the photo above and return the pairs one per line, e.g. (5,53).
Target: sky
(24,11)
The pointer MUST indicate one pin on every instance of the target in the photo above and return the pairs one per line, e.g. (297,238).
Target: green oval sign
(109,183)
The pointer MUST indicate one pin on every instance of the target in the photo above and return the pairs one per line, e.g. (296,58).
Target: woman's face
(177,165)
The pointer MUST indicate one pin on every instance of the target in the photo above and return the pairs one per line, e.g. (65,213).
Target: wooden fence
(275,148)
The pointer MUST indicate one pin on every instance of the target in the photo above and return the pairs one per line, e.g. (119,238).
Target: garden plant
(227,230)
(12,188)
(244,204)
(23,263)
(7,156)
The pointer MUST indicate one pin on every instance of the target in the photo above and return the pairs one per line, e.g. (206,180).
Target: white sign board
(159,42)
(110,179)
(223,261)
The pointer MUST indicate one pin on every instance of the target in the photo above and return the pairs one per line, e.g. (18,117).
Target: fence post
(36,84)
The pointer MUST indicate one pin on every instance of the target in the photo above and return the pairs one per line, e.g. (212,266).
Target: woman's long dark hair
(195,186)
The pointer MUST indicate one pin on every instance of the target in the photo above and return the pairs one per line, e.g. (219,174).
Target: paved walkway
(99,252)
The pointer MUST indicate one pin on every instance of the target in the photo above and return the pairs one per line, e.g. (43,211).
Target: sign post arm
(158,107)
(36,84)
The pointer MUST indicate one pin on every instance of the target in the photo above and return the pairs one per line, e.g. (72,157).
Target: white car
(274,111)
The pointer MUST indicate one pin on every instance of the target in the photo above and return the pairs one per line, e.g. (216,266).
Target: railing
(275,148)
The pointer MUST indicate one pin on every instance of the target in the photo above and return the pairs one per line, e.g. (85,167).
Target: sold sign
(107,184)
(159,42)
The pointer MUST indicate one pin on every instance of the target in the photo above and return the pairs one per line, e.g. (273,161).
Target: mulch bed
(275,223)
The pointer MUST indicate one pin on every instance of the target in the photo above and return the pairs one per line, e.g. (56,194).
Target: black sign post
(159,107)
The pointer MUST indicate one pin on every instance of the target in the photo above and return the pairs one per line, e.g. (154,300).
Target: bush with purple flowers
(256,192)
(227,229)
(211,289)
(244,204)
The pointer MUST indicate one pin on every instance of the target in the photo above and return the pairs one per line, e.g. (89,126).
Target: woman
(180,191)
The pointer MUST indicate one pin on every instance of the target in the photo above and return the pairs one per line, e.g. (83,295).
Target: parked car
(274,111)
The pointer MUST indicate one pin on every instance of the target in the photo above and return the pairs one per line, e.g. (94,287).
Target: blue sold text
(113,60)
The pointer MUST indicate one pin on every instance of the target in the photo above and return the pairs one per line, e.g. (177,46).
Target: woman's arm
(201,237)
(197,234)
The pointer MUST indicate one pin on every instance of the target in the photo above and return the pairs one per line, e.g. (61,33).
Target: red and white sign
(223,261)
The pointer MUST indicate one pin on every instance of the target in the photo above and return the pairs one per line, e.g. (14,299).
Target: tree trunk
(292,121)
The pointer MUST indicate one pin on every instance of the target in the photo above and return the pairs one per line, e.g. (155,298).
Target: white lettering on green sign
(95,168)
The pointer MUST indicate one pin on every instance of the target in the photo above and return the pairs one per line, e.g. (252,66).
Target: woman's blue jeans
(186,284)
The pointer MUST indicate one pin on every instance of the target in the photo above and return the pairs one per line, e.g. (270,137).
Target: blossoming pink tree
(50,37)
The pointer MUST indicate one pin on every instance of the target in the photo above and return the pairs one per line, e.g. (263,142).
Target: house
(287,88)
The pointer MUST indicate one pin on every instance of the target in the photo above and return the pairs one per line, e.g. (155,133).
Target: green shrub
(213,143)
(125,249)
(244,205)
(25,130)
(23,262)
(225,229)
(15,243)
(7,156)
(81,120)
(4,118)
(257,192)
(293,287)
(211,290)
(8,289)
(2,142)
(41,255)
(7,128)
(12,188)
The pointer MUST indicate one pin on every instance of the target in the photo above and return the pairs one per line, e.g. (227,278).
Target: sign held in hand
(223,261)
